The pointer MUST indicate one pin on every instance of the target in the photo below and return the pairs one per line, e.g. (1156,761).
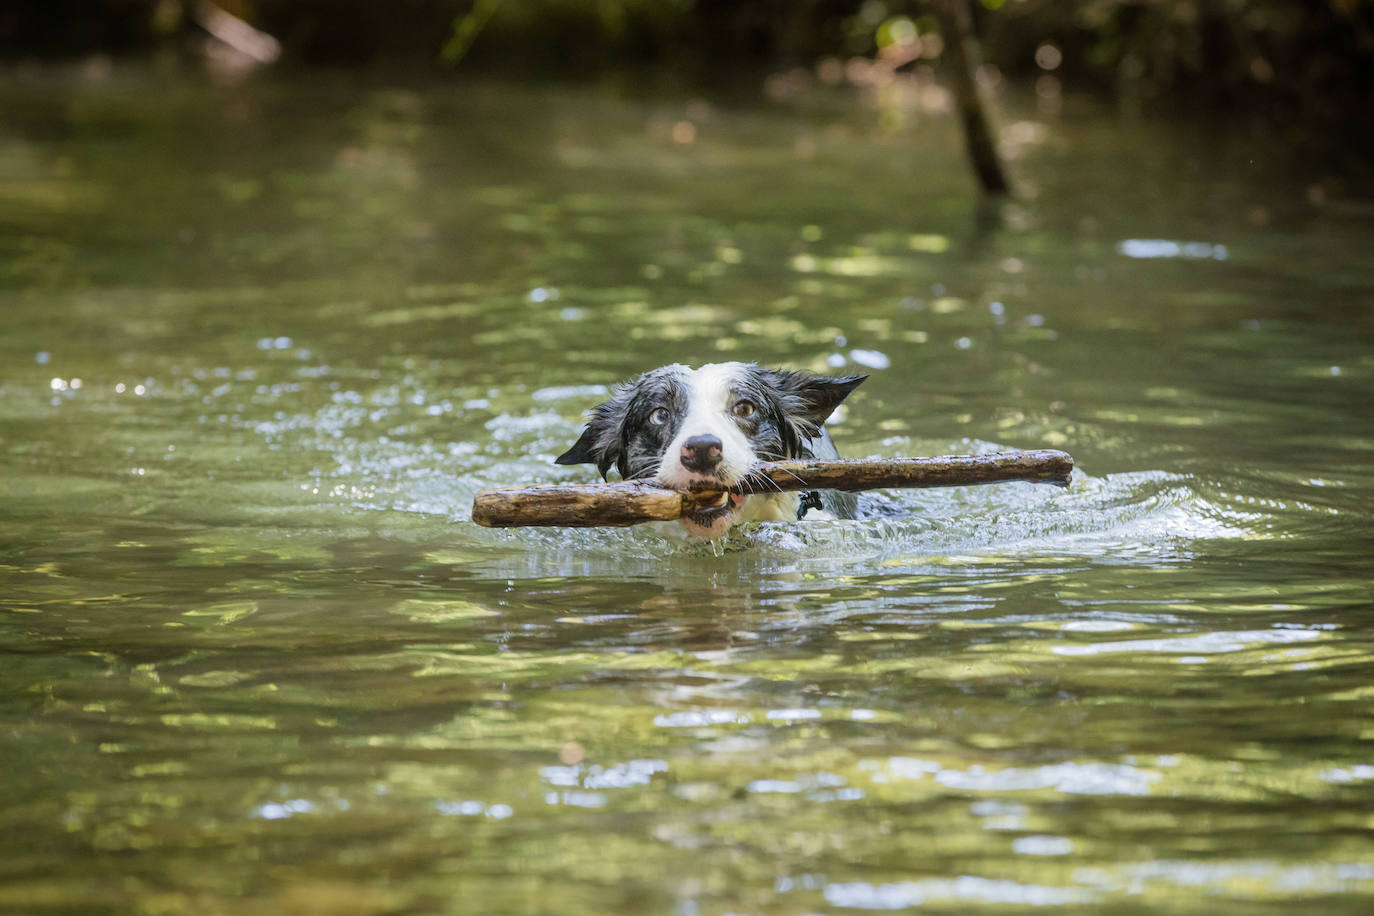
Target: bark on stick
(632,502)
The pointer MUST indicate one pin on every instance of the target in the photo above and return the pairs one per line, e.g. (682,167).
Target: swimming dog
(703,429)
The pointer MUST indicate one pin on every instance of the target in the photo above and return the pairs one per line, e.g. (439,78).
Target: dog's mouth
(713,513)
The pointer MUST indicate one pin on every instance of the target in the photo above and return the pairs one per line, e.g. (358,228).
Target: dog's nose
(701,453)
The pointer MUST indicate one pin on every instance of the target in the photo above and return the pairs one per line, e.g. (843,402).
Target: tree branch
(632,502)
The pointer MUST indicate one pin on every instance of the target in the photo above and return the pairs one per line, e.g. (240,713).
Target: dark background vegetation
(1301,68)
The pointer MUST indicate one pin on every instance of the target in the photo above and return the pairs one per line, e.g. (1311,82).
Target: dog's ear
(583,452)
(599,443)
(811,398)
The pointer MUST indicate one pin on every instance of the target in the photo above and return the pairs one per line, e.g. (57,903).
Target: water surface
(260,344)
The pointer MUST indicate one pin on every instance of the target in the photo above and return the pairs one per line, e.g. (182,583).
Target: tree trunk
(961,55)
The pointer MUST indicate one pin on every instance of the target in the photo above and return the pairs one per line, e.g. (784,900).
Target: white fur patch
(710,402)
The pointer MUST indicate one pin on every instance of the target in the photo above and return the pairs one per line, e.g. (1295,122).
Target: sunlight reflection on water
(967,888)
(1164,248)
(1072,778)
(1230,641)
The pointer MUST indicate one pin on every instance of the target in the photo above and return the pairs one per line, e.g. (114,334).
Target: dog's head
(705,428)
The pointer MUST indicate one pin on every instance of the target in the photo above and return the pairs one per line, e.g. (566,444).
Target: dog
(706,428)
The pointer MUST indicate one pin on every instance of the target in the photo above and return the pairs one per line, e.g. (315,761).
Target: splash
(1138,517)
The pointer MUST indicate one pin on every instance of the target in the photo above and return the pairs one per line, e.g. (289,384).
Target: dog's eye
(659,416)
(745,408)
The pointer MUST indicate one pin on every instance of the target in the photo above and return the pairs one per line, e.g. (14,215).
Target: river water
(261,343)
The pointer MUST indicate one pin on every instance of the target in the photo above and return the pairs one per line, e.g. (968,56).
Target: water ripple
(900,895)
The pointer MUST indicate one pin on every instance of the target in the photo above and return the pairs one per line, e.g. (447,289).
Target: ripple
(700,718)
(1071,778)
(862,895)
(1260,874)
(637,772)
(565,392)
(793,715)
(1042,846)
(1202,643)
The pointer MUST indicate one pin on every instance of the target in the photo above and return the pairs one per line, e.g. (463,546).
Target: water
(262,343)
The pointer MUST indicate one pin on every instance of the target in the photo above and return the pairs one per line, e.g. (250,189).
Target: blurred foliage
(1312,59)
(1306,60)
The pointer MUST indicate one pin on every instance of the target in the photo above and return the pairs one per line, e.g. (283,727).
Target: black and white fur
(708,427)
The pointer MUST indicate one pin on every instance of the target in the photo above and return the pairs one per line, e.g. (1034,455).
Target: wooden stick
(632,502)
